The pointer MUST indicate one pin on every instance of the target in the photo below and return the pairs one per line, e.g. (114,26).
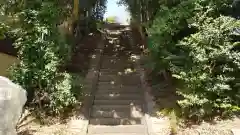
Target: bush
(3,30)
(212,74)
(164,34)
(42,51)
(111,19)
(193,41)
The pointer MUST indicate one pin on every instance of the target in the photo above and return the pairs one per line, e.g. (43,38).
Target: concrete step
(127,80)
(119,134)
(118,102)
(119,61)
(109,77)
(120,87)
(116,130)
(117,64)
(131,77)
(115,121)
(121,71)
(109,70)
(113,57)
(119,91)
(116,114)
(127,96)
(115,83)
(118,108)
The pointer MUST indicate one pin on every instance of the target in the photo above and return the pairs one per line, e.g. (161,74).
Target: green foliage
(162,36)
(3,30)
(193,40)
(90,14)
(100,8)
(111,19)
(42,50)
(173,119)
(173,122)
(211,75)
(63,95)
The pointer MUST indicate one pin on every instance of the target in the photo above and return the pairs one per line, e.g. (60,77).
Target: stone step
(126,82)
(127,71)
(122,60)
(112,63)
(132,76)
(118,108)
(119,134)
(117,63)
(119,87)
(113,57)
(121,79)
(129,88)
(118,102)
(109,57)
(109,60)
(119,91)
(109,70)
(114,83)
(123,72)
(112,72)
(116,114)
(119,73)
(118,66)
(115,121)
(116,130)
(127,96)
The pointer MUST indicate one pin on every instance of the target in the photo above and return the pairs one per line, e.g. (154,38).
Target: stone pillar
(12,100)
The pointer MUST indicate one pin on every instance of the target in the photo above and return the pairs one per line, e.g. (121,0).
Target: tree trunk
(75,10)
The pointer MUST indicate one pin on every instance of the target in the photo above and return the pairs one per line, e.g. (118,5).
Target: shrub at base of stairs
(42,50)
(193,40)
(212,77)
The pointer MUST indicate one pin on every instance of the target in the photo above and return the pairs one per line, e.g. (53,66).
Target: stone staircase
(118,102)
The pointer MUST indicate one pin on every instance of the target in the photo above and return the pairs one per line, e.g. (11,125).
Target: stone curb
(90,83)
(154,125)
(148,100)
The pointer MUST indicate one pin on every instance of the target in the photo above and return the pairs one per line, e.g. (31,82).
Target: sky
(115,10)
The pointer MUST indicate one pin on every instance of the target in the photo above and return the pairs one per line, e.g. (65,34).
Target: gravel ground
(223,127)
(73,127)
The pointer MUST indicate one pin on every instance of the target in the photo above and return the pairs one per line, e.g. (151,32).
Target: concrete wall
(5,62)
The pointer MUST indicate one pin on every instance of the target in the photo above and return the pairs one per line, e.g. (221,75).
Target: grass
(6,62)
